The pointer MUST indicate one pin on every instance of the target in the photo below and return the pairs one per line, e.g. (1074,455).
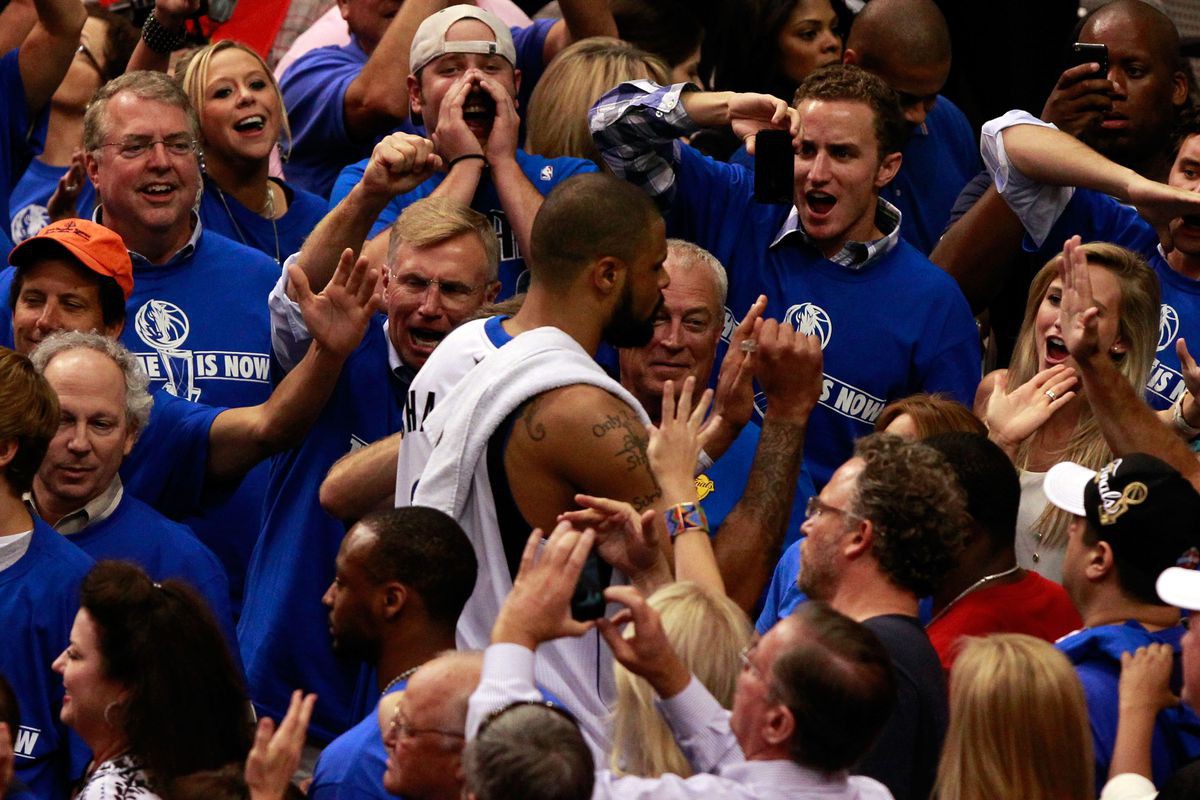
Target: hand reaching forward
(750,113)
(276,753)
(1145,679)
(644,649)
(675,442)
(733,403)
(624,538)
(337,317)
(538,608)
(788,368)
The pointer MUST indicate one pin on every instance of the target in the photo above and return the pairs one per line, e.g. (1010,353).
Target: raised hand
(64,203)
(506,125)
(398,164)
(1078,101)
(1078,314)
(644,648)
(788,367)
(1161,205)
(338,317)
(172,14)
(538,608)
(276,753)
(1012,417)
(675,442)
(750,113)
(733,403)
(624,538)
(453,138)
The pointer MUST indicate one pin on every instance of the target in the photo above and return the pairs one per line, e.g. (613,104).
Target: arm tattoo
(534,428)
(633,442)
(772,481)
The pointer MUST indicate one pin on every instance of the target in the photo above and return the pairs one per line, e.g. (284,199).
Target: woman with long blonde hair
(1018,724)
(242,120)
(708,631)
(1035,410)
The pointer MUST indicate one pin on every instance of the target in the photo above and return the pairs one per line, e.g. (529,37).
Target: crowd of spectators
(609,399)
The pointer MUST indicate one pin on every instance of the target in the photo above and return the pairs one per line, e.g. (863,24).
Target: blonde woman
(1018,724)
(557,123)
(1035,410)
(709,632)
(242,119)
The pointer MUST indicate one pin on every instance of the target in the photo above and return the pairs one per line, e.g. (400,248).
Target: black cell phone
(773,166)
(588,603)
(1084,53)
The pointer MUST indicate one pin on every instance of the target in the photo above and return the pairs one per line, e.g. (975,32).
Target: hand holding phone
(774,166)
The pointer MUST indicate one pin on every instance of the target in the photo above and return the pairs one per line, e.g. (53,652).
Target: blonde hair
(574,81)
(192,73)
(708,630)
(1137,327)
(1018,724)
(433,220)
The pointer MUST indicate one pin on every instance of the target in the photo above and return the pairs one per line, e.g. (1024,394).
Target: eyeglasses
(453,293)
(134,148)
(816,508)
(91,58)
(747,664)
(401,728)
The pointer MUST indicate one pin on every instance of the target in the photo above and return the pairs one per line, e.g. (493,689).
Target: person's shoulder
(52,551)
(147,519)
(320,59)
(868,788)
(218,252)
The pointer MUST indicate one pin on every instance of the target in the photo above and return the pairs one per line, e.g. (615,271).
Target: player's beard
(625,328)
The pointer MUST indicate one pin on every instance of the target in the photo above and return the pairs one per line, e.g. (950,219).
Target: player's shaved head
(889,33)
(586,218)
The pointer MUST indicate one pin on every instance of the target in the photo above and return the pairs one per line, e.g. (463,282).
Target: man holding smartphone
(833,263)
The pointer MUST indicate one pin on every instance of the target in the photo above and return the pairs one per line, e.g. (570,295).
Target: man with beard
(464,85)
(883,533)
(511,418)
(403,577)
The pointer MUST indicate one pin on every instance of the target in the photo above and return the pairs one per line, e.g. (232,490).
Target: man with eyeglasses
(443,269)
(881,534)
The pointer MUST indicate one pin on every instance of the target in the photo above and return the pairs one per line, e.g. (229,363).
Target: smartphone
(588,603)
(1084,53)
(773,167)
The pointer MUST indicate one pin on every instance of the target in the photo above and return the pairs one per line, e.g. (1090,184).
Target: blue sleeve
(530,44)
(347,179)
(169,463)
(783,595)
(314,93)
(1096,217)
(712,204)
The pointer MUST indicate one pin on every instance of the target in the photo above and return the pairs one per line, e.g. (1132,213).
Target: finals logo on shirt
(164,327)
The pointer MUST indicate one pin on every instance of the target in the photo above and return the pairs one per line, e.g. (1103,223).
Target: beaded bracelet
(685,517)
(1181,424)
(159,39)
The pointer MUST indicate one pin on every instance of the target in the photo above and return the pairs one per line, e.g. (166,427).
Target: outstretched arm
(1127,423)
(788,367)
(337,319)
(47,51)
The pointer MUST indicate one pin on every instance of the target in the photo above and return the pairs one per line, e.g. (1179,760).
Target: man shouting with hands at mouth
(464,86)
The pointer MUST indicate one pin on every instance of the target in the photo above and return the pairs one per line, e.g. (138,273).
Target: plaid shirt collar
(854,255)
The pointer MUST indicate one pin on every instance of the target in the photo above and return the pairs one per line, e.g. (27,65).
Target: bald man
(907,43)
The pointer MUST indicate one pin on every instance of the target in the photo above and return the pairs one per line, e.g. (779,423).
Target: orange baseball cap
(99,249)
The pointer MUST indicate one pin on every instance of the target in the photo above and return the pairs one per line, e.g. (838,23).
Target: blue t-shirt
(314,93)
(39,596)
(17,130)
(940,157)
(1096,654)
(890,329)
(352,766)
(721,486)
(164,549)
(27,205)
(1097,217)
(220,212)
(284,629)
(544,173)
(783,595)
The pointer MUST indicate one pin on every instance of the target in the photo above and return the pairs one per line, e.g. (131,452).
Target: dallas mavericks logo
(810,319)
(28,221)
(164,327)
(1168,326)
(547,173)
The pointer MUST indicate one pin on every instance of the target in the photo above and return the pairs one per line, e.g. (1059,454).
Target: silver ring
(748,345)
(71,187)
(1050,393)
